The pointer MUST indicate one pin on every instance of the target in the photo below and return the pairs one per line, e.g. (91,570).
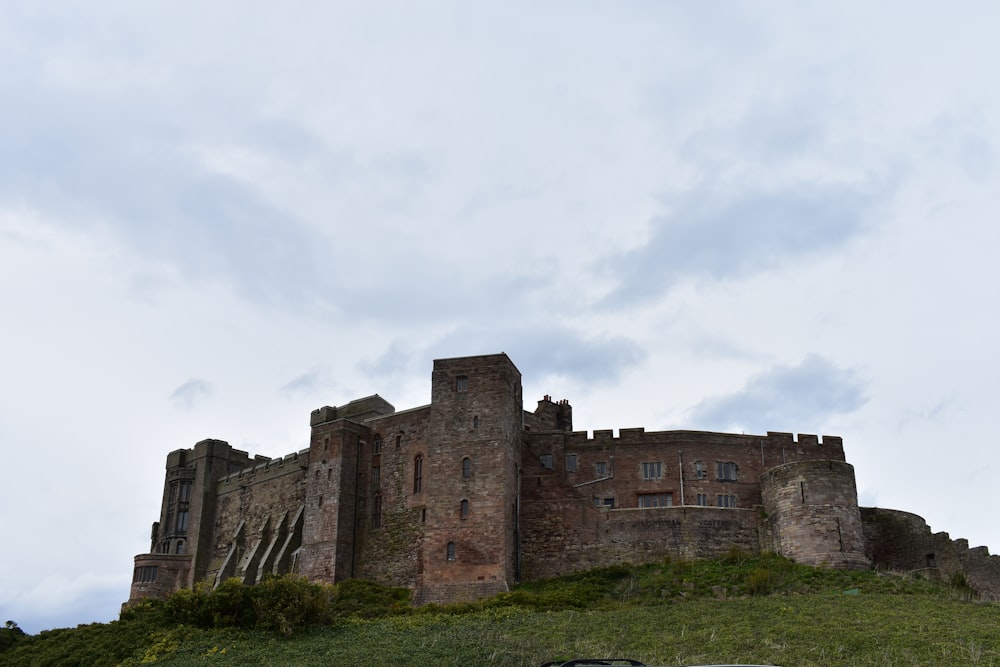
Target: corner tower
(469,479)
(813,515)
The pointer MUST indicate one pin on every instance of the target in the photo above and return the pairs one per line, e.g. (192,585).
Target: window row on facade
(666,499)
(725,471)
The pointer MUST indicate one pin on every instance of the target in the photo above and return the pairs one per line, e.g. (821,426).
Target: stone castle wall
(470,494)
(903,541)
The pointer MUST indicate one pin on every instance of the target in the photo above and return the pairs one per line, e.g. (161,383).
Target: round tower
(812,513)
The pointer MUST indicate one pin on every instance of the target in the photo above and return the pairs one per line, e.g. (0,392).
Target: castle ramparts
(466,496)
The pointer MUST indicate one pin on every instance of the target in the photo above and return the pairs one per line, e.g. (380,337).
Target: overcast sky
(740,216)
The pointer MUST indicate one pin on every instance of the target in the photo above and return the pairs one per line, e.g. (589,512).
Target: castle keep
(466,496)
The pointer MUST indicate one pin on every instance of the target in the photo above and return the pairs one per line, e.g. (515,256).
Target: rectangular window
(601,469)
(182,521)
(462,383)
(652,470)
(656,500)
(703,499)
(726,471)
(418,473)
(377,511)
(546,460)
(376,475)
(145,574)
(699,470)
(726,501)
(608,502)
(571,463)
(185,492)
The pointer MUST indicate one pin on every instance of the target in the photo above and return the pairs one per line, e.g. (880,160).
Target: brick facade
(466,496)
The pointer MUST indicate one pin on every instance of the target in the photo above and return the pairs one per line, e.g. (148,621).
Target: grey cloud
(399,358)
(785,398)
(303,384)
(117,164)
(546,351)
(709,236)
(191,392)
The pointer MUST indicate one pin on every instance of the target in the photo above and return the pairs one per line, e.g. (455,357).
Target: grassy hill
(754,610)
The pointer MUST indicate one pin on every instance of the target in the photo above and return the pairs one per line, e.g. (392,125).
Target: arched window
(466,467)
(451,551)
(418,473)
(465,508)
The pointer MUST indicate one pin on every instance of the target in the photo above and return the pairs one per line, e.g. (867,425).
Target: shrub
(10,634)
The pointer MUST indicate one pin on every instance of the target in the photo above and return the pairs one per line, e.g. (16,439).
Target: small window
(726,471)
(185,492)
(546,461)
(465,509)
(326,443)
(377,445)
(475,422)
(652,470)
(648,500)
(726,501)
(179,547)
(699,470)
(451,551)
(609,503)
(703,499)
(462,383)
(399,440)
(376,475)
(182,521)
(418,473)
(601,469)
(571,463)
(466,467)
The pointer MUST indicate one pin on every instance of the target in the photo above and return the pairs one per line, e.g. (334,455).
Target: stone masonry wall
(903,541)
(503,495)
(812,513)
(250,505)
(390,548)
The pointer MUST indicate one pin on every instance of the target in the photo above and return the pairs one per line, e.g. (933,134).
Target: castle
(466,496)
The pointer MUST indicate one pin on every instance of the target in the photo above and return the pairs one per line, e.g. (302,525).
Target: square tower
(470,479)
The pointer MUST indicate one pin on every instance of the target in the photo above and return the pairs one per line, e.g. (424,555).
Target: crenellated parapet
(266,469)
(902,541)
(470,494)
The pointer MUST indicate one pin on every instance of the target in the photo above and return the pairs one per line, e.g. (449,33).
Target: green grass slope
(754,610)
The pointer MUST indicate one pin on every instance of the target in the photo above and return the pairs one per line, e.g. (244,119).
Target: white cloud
(191,392)
(784,398)
(775,217)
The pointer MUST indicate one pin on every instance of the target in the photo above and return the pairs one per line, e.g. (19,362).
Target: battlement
(640,436)
(357,410)
(475,493)
(267,468)
(804,439)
